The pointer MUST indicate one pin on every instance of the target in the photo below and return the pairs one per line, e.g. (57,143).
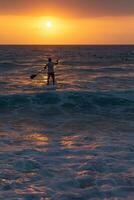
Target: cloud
(76,8)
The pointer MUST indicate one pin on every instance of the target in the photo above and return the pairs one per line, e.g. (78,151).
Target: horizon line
(75,44)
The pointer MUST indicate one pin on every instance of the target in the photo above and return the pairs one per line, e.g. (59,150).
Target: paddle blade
(33,76)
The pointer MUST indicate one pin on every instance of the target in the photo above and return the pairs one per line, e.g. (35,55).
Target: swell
(76,103)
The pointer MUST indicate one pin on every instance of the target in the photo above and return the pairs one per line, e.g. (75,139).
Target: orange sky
(22,23)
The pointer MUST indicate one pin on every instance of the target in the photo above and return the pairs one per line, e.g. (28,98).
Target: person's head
(49,59)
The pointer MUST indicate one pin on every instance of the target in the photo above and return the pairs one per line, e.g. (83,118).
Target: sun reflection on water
(69,141)
(30,190)
(38,139)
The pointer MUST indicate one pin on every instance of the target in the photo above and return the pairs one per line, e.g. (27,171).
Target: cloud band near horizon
(76,8)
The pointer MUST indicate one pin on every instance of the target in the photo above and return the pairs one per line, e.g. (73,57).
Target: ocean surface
(72,143)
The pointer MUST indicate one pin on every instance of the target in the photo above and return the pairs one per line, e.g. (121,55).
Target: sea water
(74,142)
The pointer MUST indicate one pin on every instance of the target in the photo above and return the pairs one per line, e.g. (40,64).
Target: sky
(67,22)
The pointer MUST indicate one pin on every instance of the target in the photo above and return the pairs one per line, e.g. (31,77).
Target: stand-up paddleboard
(50,87)
(46,87)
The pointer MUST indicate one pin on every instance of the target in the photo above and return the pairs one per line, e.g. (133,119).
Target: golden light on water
(38,139)
(69,141)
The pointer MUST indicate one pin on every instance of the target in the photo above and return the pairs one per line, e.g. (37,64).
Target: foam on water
(75,142)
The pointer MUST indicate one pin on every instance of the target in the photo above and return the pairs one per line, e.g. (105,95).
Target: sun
(49,24)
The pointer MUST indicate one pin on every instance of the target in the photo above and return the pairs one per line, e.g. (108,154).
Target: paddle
(34,75)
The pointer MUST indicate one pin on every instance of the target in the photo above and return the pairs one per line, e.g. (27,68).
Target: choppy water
(72,143)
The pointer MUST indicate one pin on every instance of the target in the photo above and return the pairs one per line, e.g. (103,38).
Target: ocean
(72,143)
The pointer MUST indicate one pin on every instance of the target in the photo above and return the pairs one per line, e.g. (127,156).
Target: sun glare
(51,28)
(49,24)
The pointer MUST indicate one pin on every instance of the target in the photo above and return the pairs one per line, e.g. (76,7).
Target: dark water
(75,142)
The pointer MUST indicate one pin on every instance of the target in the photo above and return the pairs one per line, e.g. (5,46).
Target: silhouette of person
(50,70)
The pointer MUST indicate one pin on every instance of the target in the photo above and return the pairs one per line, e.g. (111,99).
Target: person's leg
(48,78)
(53,77)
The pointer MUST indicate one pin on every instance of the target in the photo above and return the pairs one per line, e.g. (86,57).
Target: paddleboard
(50,87)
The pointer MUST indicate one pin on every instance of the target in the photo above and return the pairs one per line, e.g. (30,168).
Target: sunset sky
(67,22)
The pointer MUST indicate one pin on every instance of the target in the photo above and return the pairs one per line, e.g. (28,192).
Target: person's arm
(57,62)
(45,67)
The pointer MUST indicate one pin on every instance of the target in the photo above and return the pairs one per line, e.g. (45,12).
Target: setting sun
(49,24)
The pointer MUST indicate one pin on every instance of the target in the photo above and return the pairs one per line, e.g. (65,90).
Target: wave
(72,103)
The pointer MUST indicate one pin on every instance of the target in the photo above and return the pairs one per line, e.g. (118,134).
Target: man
(50,70)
